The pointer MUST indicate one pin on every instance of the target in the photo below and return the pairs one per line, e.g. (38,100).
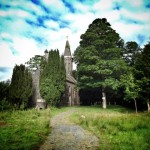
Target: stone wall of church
(37,100)
(71,96)
(35,85)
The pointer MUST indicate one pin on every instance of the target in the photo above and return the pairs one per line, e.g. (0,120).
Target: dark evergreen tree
(4,90)
(4,95)
(130,52)
(62,76)
(74,74)
(52,80)
(21,86)
(98,58)
(142,74)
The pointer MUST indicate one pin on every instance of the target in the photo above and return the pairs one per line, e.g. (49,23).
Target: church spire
(67,48)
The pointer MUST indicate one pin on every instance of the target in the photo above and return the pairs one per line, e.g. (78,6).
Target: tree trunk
(135,105)
(104,103)
(148,106)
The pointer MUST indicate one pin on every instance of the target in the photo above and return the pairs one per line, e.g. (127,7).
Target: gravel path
(68,136)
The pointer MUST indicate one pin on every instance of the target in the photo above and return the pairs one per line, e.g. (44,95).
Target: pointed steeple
(67,49)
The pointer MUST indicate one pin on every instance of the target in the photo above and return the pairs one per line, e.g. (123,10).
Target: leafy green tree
(21,86)
(35,62)
(98,58)
(132,88)
(142,74)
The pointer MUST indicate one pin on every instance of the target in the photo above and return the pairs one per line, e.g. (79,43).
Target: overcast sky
(28,27)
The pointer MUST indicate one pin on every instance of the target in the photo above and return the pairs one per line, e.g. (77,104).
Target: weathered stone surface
(37,100)
(68,136)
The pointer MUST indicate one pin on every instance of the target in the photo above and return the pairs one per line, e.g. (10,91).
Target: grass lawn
(116,127)
(25,130)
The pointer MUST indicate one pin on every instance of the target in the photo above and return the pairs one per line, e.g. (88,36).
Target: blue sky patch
(40,20)
(4,6)
(69,5)
(63,24)
(39,39)
(88,2)
(8,40)
(117,6)
(148,5)
(4,69)
(36,2)
(129,20)
(45,9)
(141,38)
(36,24)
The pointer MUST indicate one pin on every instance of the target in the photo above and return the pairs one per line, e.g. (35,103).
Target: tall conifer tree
(52,80)
(142,74)
(21,85)
(98,58)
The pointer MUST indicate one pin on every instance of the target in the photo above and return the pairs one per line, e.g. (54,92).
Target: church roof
(67,49)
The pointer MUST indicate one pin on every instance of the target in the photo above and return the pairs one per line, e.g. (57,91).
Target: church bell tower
(68,59)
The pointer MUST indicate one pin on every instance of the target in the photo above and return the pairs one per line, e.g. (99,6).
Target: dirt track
(67,136)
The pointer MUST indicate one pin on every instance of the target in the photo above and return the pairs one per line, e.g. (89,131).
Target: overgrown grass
(25,130)
(116,127)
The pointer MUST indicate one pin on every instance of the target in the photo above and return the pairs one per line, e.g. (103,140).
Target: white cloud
(30,7)
(81,8)
(136,3)
(128,31)
(55,6)
(16,13)
(26,48)
(6,57)
(144,16)
(103,5)
(51,24)
(5,35)
(80,21)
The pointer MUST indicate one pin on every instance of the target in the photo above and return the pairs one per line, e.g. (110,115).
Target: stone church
(71,95)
